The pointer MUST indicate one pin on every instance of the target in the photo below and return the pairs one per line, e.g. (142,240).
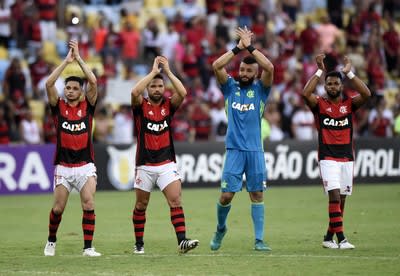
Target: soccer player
(74,157)
(155,154)
(245,101)
(333,116)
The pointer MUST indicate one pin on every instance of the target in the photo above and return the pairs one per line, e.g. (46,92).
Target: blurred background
(119,39)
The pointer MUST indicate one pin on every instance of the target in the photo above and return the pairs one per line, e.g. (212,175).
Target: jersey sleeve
(55,109)
(265,90)
(137,109)
(315,109)
(228,87)
(91,107)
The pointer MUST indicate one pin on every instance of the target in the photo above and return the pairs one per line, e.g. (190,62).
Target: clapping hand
(245,36)
(164,63)
(156,65)
(347,65)
(320,61)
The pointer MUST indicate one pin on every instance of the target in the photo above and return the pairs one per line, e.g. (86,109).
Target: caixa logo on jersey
(121,167)
(157,127)
(243,107)
(336,123)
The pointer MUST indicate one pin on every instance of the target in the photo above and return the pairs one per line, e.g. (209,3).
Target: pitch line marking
(262,255)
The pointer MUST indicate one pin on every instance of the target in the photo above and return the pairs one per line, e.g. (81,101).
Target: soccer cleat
(90,252)
(215,243)
(344,244)
(187,245)
(330,244)
(138,249)
(50,249)
(259,245)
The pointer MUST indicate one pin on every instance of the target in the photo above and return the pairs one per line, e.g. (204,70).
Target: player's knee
(58,209)
(141,205)
(88,204)
(225,198)
(256,197)
(174,201)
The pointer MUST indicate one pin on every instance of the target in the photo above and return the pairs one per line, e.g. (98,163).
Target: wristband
(236,50)
(350,75)
(318,73)
(250,48)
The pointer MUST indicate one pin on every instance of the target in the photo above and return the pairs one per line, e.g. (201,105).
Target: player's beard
(245,82)
(333,95)
(156,98)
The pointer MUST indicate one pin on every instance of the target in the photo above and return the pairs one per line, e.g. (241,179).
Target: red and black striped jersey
(74,133)
(334,122)
(153,133)
(47,9)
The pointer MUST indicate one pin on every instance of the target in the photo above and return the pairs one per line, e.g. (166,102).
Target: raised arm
(91,91)
(219,66)
(180,90)
(138,89)
(51,89)
(308,96)
(267,73)
(220,63)
(357,84)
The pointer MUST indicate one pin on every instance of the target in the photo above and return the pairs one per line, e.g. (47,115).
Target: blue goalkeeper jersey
(244,107)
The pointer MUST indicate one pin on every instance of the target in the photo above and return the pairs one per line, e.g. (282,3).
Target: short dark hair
(74,78)
(336,74)
(249,60)
(158,76)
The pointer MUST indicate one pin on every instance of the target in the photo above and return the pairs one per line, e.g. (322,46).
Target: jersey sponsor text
(74,127)
(243,107)
(336,123)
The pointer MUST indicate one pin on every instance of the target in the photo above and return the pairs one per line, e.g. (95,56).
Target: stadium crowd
(120,39)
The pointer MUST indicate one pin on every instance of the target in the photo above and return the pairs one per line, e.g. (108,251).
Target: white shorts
(337,175)
(73,177)
(149,176)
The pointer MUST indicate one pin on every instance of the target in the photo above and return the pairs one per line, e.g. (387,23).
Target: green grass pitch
(296,219)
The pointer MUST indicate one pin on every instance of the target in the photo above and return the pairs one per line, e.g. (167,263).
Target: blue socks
(222,214)
(257,214)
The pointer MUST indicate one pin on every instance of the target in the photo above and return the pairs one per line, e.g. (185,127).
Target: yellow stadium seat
(151,4)
(92,19)
(3,53)
(50,52)
(167,3)
(37,108)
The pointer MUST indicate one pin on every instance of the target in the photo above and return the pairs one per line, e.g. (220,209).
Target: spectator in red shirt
(189,63)
(375,70)
(353,32)
(309,39)
(14,79)
(368,19)
(200,121)
(38,69)
(391,43)
(49,129)
(180,126)
(33,34)
(259,25)
(381,119)
(99,35)
(48,17)
(130,39)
